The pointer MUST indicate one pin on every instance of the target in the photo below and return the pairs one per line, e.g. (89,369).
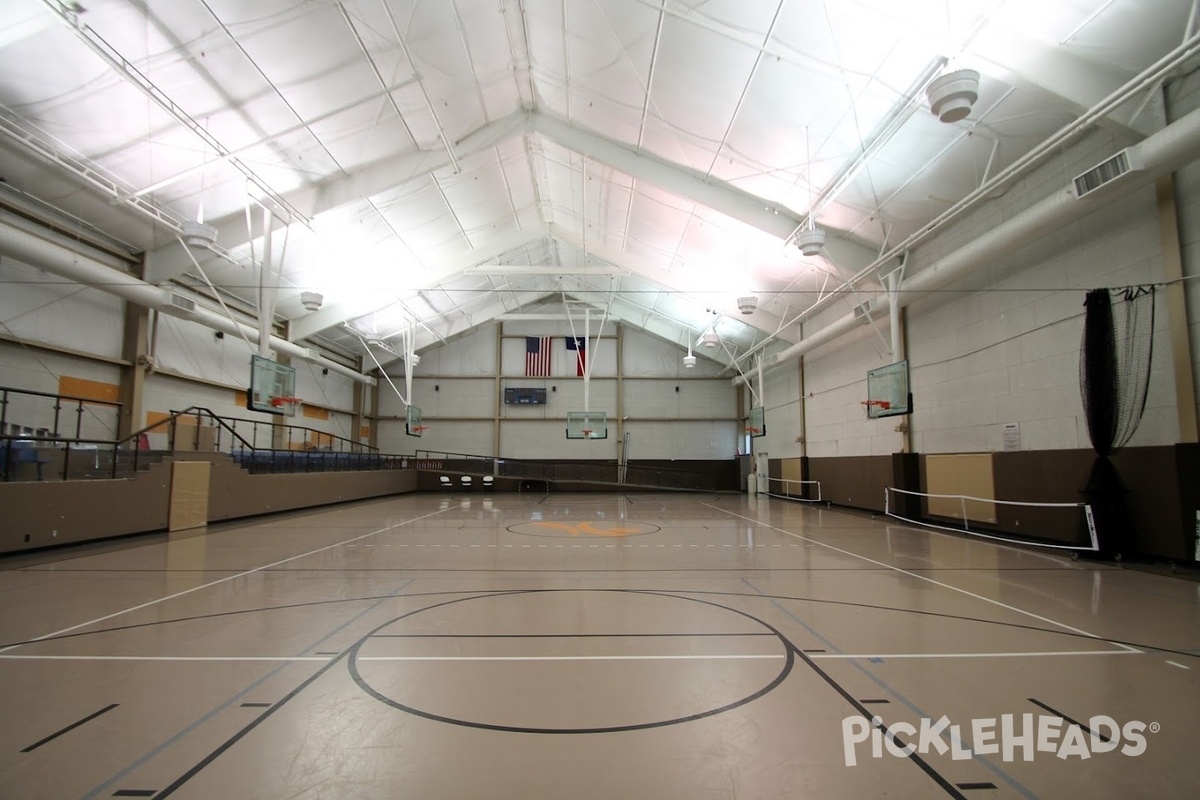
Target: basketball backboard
(587,425)
(269,380)
(887,391)
(412,421)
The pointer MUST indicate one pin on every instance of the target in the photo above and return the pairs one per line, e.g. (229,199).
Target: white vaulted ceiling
(648,157)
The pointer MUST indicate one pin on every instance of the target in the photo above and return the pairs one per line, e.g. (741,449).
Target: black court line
(874,701)
(913,756)
(69,728)
(326,652)
(235,738)
(795,598)
(555,635)
(256,705)
(581,569)
(789,655)
(966,787)
(134,793)
(1085,728)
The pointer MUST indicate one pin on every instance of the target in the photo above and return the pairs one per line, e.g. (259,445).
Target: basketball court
(591,645)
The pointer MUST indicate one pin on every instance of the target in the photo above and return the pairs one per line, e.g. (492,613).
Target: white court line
(684,657)
(164,658)
(1032,654)
(1177,664)
(1062,625)
(214,583)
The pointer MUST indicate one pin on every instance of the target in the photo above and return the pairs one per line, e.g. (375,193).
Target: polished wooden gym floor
(591,646)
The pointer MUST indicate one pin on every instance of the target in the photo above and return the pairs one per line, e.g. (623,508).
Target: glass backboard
(587,425)
(269,380)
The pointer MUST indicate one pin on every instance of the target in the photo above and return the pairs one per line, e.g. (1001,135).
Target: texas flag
(579,345)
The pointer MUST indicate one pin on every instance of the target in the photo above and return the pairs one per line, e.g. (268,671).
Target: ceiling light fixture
(811,241)
(952,95)
(747,304)
(710,338)
(197,234)
(311,300)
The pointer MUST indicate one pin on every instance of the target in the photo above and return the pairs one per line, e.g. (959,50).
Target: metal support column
(1177,316)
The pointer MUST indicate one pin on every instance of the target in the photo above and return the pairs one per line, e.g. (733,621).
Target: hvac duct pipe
(38,252)
(1167,150)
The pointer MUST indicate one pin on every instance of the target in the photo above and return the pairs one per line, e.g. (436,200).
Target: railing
(290,448)
(608,472)
(25,458)
(256,433)
(41,415)
(55,457)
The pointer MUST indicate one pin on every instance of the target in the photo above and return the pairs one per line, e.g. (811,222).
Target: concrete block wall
(1002,345)
(669,412)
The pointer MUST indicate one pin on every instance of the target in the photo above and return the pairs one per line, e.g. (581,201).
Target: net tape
(1087,511)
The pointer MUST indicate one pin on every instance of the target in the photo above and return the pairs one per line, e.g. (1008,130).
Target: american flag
(537,356)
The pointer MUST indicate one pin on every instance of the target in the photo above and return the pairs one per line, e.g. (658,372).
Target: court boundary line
(218,581)
(679,657)
(903,571)
(323,659)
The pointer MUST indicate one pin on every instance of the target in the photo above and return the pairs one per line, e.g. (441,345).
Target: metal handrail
(6,391)
(108,446)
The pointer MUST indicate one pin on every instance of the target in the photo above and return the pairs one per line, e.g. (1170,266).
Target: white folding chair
(446,483)
(466,482)
(488,480)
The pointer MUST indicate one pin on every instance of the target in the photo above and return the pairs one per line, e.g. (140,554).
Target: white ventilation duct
(57,259)
(1172,147)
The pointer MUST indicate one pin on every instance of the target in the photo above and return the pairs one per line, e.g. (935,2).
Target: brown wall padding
(856,481)
(1162,490)
(62,512)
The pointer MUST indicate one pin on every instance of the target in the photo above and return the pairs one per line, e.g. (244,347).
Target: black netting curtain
(1114,375)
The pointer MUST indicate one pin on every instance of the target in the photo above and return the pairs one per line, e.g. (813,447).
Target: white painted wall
(1002,345)
(38,370)
(459,390)
(42,307)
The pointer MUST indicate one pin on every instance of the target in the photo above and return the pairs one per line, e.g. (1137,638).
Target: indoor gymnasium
(599,399)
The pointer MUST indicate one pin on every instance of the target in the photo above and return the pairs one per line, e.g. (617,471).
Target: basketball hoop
(587,433)
(288,405)
(751,431)
(882,405)
(419,428)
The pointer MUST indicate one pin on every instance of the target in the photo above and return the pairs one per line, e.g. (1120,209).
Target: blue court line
(993,768)
(235,698)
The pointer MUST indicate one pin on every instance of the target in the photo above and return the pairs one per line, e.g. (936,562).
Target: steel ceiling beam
(165,263)
(337,313)
(763,321)
(692,185)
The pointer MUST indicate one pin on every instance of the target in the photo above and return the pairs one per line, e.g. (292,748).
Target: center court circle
(571,661)
(565,529)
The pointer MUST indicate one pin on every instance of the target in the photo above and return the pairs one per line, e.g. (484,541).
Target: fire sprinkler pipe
(1165,151)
